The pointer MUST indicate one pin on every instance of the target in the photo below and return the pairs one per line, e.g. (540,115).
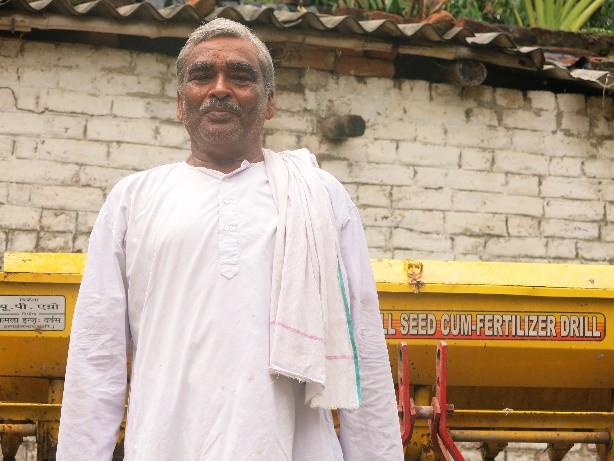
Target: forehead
(225,49)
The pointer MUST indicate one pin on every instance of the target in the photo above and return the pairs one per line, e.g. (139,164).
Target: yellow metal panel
(582,360)
(43,267)
(569,280)
(514,399)
(10,411)
(542,371)
(20,389)
(37,353)
(509,419)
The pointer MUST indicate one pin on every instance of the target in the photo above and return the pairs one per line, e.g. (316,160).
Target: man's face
(223,100)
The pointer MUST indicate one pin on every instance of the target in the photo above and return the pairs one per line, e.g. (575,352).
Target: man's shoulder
(339,198)
(141,177)
(308,160)
(140,184)
(332,184)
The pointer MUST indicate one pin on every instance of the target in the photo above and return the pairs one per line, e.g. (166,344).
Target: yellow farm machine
(489,353)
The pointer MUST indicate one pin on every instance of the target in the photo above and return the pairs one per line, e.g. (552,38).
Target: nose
(221,86)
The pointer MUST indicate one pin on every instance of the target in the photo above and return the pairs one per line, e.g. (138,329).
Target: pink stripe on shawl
(298,332)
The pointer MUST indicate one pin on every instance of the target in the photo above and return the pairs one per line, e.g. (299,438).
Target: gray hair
(221,27)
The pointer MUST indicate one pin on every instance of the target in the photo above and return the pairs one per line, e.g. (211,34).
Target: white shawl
(311,336)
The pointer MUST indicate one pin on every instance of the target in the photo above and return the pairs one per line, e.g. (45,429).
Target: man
(222,276)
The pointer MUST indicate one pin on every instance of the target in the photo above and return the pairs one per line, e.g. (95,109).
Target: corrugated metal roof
(301,28)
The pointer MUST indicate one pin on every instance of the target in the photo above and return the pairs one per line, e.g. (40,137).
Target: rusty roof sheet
(142,19)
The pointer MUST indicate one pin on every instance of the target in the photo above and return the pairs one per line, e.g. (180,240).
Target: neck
(224,162)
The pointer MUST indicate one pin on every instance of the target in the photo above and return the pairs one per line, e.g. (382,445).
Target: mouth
(219,114)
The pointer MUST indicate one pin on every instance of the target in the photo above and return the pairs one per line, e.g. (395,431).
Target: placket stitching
(227,229)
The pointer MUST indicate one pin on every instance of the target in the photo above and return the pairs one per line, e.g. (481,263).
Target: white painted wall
(441,172)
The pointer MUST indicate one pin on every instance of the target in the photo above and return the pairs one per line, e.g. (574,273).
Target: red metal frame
(437,419)
(445,444)
(406,407)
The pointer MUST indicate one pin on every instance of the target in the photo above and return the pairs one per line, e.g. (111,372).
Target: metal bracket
(490,450)
(11,437)
(445,445)
(437,419)
(414,274)
(406,407)
(557,451)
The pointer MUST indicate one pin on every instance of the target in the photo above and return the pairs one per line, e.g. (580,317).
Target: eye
(242,77)
(200,77)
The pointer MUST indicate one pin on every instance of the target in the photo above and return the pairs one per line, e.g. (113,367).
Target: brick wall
(483,173)
(441,173)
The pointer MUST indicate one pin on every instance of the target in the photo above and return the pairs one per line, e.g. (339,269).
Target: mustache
(220,105)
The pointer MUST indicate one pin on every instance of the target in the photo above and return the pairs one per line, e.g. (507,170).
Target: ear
(180,113)
(271,106)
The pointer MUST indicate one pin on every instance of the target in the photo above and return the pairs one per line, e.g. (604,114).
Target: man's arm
(372,431)
(96,376)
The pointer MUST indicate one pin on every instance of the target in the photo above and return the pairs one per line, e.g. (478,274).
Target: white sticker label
(37,313)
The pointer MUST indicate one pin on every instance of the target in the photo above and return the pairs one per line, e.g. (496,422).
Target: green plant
(603,19)
(493,11)
(327,5)
(389,6)
(567,15)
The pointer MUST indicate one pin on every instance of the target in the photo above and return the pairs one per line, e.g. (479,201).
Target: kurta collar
(245,164)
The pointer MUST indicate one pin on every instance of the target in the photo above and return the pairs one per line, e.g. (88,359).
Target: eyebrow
(199,66)
(242,66)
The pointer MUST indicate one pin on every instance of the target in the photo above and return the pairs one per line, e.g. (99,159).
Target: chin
(219,133)
(222,138)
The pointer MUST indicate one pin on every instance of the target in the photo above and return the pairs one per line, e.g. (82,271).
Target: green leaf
(556,14)
(566,9)
(585,15)
(539,12)
(575,12)
(558,6)
(530,12)
(549,13)
(393,6)
(518,18)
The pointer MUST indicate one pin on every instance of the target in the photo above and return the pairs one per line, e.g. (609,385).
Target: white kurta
(179,266)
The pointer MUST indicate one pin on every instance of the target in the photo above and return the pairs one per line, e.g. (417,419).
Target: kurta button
(226,228)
